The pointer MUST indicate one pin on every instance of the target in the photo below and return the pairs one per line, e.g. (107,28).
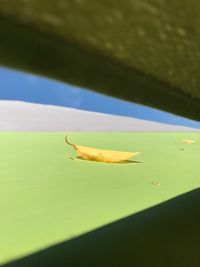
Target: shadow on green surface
(115,163)
(165,235)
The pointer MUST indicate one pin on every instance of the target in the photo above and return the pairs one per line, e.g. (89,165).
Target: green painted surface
(46,197)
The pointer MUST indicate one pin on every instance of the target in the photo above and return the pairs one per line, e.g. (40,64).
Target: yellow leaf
(111,156)
(188,141)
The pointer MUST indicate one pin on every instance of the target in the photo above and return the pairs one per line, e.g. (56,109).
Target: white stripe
(23,116)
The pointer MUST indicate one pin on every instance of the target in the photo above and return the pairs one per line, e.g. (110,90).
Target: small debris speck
(155,183)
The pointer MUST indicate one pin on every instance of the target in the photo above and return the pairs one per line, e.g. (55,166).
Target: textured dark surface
(142,51)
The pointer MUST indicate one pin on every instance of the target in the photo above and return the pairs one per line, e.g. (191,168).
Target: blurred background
(20,86)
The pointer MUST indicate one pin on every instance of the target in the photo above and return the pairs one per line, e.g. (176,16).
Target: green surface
(47,198)
(142,51)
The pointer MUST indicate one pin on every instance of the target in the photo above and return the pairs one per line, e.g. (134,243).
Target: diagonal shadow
(167,235)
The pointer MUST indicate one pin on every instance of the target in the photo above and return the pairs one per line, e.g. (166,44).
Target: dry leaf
(188,141)
(91,153)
